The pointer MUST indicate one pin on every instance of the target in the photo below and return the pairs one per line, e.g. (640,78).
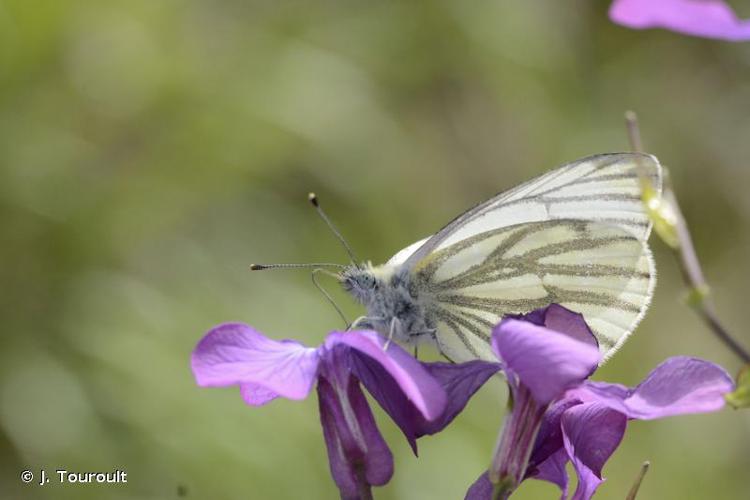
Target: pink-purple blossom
(558,416)
(422,398)
(703,18)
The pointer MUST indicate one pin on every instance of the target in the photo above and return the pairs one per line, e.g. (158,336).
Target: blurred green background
(151,150)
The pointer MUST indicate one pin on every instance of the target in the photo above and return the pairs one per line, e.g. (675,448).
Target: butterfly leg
(395,323)
(443,354)
(365,321)
(416,335)
(430,332)
(326,294)
(356,322)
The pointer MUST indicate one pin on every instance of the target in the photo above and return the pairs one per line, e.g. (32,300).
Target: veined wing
(601,270)
(603,188)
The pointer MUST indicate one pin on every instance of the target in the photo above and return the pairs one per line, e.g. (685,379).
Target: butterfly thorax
(394,306)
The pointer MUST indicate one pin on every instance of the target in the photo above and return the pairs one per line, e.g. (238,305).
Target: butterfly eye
(369,281)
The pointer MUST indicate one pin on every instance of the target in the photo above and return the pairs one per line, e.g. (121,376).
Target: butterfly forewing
(598,269)
(603,188)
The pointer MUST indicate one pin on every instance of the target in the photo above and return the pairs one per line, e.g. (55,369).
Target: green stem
(692,274)
(503,489)
(690,267)
(638,480)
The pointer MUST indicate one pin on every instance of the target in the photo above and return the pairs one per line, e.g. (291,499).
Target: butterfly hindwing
(599,269)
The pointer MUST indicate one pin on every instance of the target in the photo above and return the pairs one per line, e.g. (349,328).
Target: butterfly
(575,236)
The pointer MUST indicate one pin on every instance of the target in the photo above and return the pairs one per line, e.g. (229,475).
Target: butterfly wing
(604,188)
(575,235)
(597,269)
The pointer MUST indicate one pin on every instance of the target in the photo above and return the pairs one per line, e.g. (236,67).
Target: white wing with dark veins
(597,269)
(575,236)
(604,188)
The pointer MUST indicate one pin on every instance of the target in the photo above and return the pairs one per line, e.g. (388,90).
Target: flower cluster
(422,398)
(557,415)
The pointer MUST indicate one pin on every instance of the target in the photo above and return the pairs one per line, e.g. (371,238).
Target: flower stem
(363,487)
(682,245)
(699,291)
(503,489)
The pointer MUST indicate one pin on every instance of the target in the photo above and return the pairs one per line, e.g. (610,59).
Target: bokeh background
(151,150)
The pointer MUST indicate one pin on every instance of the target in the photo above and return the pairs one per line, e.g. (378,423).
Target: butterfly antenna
(314,200)
(262,267)
(327,295)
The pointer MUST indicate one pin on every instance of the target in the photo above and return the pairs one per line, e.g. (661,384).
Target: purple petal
(408,376)
(481,489)
(680,385)
(234,353)
(544,360)
(562,320)
(705,18)
(612,395)
(357,453)
(549,440)
(256,395)
(459,381)
(553,470)
(330,416)
(390,397)
(570,323)
(591,433)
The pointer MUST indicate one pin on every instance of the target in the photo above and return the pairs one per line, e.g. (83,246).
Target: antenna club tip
(257,267)
(313,198)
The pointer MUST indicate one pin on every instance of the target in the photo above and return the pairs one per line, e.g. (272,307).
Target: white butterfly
(574,236)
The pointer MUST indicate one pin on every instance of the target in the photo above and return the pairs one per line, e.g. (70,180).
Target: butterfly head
(361,281)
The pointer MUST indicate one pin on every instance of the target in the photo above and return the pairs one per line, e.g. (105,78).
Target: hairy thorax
(394,306)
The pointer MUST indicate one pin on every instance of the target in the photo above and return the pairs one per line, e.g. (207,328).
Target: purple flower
(421,398)
(705,18)
(558,416)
